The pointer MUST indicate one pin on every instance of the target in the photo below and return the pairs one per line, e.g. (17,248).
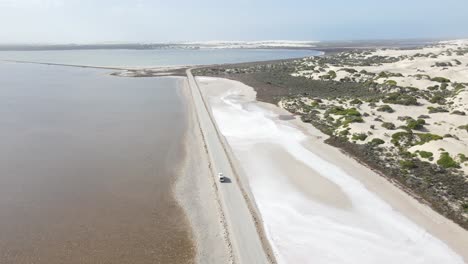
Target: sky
(150,21)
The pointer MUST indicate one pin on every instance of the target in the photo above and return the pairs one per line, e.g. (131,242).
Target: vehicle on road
(221,177)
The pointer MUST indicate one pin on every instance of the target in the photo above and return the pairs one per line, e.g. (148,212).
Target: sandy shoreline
(319,189)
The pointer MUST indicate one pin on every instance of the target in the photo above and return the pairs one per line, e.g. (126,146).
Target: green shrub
(343,132)
(426,137)
(377,141)
(402,137)
(436,109)
(462,157)
(440,79)
(464,127)
(332,74)
(458,112)
(437,99)
(389,125)
(465,207)
(407,164)
(348,70)
(385,108)
(446,161)
(415,124)
(359,136)
(408,139)
(352,119)
(400,98)
(338,110)
(425,154)
(355,101)
(382,75)
(391,82)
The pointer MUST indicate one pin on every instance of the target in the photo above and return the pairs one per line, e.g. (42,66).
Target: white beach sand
(317,204)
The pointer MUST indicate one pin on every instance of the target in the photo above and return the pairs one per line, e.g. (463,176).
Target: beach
(317,204)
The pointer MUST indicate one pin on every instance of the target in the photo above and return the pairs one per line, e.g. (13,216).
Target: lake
(152,58)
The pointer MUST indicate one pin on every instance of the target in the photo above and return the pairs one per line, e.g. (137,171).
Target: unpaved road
(246,244)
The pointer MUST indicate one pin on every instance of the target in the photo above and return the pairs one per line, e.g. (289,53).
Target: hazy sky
(85,21)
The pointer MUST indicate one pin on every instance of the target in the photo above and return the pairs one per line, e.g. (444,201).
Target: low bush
(377,141)
(440,79)
(389,125)
(352,119)
(359,136)
(446,161)
(338,110)
(464,127)
(385,108)
(407,164)
(458,112)
(355,101)
(462,157)
(426,137)
(415,124)
(400,98)
(425,154)
(437,109)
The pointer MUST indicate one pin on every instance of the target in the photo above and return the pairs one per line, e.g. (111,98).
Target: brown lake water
(87,162)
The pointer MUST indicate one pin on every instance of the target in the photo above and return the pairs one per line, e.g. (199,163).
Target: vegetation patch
(407,164)
(437,109)
(338,110)
(464,127)
(389,125)
(377,141)
(400,98)
(409,139)
(385,108)
(359,136)
(446,161)
(415,124)
(425,154)
(440,80)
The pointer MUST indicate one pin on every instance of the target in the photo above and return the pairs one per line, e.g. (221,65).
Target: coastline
(422,215)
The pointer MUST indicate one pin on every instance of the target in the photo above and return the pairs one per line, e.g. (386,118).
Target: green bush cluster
(385,108)
(355,101)
(407,164)
(359,136)
(426,137)
(440,79)
(462,157)
(437,109)
(389,125)
(338,110)
(425,154)
(400,98)
(377,141)
(464,127)
(446,161)
(458,112)
(408,139)
(415,124)
(352,119)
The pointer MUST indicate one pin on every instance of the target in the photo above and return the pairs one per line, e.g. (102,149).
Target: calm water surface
(86,165)
(134,58)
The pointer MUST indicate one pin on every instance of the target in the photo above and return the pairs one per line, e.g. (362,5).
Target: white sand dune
(316,207)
